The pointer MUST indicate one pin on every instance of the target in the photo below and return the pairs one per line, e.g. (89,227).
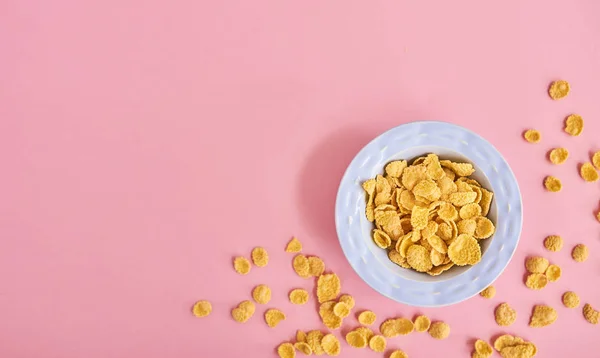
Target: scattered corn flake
(367,318)
(488,292)
(485,228)
(241,265)
(260,257)
(303,348)
(273,316)
(330,320)
(465,250)
(316,266)
(536,264)
(553,243)
(536,281)
(398,354)
(243,312)
(422,323)
(300,336)
(390,328)
(261,294)
(439,330)
(365,332)
(341,310)
(596,160)
(348,300)
(202,308)
(483,348)
(570,299)
(590,314)
(418,258)
(574,124)
(553,273)
(286,350)
(381,239)
(505,340)
(559,89)
(505,315)
(294,245)
(552,184)
(298,296)
(532,136)
(331,345)
(580,253)
(517,351)
(356,339)
(588,173)
(405,326)
(542,316)
(301,266)
(377,343)
(558,155)
(313,339)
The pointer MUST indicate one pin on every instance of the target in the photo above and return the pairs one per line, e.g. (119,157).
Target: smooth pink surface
(146,143)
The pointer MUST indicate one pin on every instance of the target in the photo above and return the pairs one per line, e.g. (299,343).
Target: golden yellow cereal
(536,264)
(553,243)
(483,348)
(419,218)
(356,339)
(436,257)
(405,326)
(243,312)
(505,315)
(422,323)
(348,300)
(461,169)
(298,296)
(465,250)
(331,345)
(542,316)
(439,330)
(552,184)
(505,340)
(341,310)
(438,244)
(429,230)
(261,294)
(273,316)
(486,201)
(518,351)
(590,314)
(440,269)
(470,211)
(427,189)
(367,318)
(488,292)
(286,350)
(381,239)
(588,173)
(303,348)
(596,160)
(485,228)
(580,253)
(313,339)
(300,336)
(412,175)
(202,308)
(301,266)
(390,328)
(462,198)
(395,168)
(407,199)
(559,89)
(445,231)
(574,124)
(553,273)
(532,136)
(558,155)
(398,354)
(330,320)
(418,258)
(241,265)
(536,281)
(365,332)
(316,266)
(467,226)
(377,343)
(396,258)
(328,287)
(570,299)
(370,212)
(294,245)
(447,212)
(260,257)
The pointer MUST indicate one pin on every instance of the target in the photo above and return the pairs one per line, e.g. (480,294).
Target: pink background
(146,143)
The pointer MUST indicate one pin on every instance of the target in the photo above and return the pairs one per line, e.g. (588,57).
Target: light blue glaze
(407,142)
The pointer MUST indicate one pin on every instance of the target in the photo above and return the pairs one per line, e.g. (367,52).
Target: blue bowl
(449,142)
